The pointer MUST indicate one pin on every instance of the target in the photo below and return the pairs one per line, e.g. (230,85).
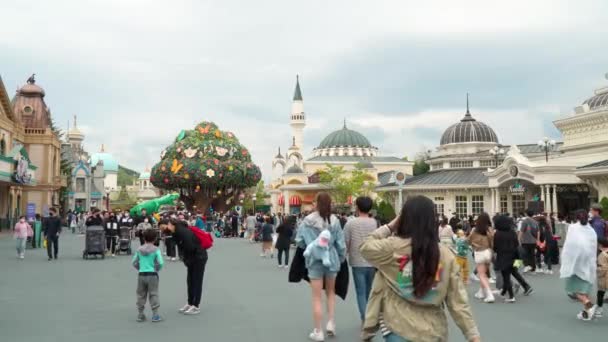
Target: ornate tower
(298,118)
(75,138)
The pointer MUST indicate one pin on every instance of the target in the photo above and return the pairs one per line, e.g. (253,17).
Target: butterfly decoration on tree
(176,166)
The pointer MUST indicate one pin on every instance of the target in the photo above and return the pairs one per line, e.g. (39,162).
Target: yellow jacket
(418,320)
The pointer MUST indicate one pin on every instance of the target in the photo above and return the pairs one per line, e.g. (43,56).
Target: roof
(345,137)
(144,175)
(297,94)
(386,178)
(355,159)
(468,130)
(534,148)
(109,163)
(603,163)
(450,177)
(597,101)
(295,169)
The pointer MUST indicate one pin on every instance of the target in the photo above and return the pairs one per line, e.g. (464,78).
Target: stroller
(95,242)
(124,240)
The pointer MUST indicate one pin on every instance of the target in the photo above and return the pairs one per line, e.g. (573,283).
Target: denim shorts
(320,271)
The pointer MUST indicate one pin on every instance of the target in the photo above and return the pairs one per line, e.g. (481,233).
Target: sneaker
(489,299)
(173,259)
(184,308)
(527,269)
(317,336)
(474,277)
(599,312)
(141,317)
(280,266)
(510,300)
(585,315)
(262,255)
(193,311)
(539,271)
(113,255)
(22,256)
(331,328)
(492,280)
(286,266)
(479,294)
(549,272)
(528,291)
(156,318)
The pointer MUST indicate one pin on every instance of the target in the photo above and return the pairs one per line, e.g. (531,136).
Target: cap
(596,206)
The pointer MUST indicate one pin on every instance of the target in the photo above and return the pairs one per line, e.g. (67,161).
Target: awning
(295,201)
(281,200)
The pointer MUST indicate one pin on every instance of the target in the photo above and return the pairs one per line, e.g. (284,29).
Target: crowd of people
(404,271)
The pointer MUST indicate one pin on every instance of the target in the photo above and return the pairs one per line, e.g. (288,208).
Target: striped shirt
(355,232)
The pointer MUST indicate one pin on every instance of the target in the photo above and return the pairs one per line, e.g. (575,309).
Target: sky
(136,72)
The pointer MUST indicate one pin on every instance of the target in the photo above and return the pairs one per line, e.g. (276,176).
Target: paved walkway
(246,298)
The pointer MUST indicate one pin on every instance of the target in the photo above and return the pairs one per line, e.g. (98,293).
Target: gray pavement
(245,298)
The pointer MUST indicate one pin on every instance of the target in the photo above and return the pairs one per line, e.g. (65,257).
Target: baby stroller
(124,240)
(95,242)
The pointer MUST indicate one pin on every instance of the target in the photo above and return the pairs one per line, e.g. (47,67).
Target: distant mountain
(126,176)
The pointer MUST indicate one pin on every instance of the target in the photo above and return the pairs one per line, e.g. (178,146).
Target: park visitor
(446,233)
(312,226)
(579,263)
(148,260)
(529,238)
(602,275)
(195,259)
(418,276)
(481,240)
(250,223)
(112,234)
(597,222)
(463,249)
(37,238)
(52,229)
(285,233)
(506,247)
(355,232)
(22,231)
(267,231)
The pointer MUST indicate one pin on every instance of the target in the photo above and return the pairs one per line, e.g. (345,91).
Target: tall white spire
(298,118)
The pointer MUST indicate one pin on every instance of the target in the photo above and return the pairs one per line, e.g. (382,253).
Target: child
(22,231)
(462,251)
(602,275)
(148,261)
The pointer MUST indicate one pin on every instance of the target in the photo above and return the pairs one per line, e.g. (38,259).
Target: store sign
(30,211)
(517,188)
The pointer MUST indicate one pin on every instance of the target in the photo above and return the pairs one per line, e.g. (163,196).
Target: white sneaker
(280,266)
(193,311)
(173,259)
(492,280)
(317,336)
(113,255)
(479,294)
(22,256)
(489,299)
(599,312)
(527,269)
(263,255)
(331,328)
(184,308)
(549,272)
(510,300)
(539,271)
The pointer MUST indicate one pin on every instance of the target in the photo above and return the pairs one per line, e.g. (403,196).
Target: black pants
(34,241)
(529,249)
(54,242)
(286,251)
(600,298)
(507,287)
(170,245)
(196,273)
(111,243)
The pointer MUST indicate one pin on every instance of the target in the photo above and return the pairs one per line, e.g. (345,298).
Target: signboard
(400,178)
(517,188)
(30,211)
(45,210)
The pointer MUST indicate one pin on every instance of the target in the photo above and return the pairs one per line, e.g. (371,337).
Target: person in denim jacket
(309,230)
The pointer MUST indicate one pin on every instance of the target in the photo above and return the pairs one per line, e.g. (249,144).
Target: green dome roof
(345,137)
(109,163)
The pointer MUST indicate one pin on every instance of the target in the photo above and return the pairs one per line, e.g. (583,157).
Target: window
(439,209)
(477,204)
(2,147)
(486,163)
(438,198)
(461,164)
(80,185)
(461,206)
(504,208)
(437,166)
(518,202)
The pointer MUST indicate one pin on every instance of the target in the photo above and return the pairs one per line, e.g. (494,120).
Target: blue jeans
(394,338)
(363,277)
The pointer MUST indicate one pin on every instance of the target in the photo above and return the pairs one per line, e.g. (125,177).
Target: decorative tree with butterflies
(207,166)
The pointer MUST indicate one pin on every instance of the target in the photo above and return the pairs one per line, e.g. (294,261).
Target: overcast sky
(137,71)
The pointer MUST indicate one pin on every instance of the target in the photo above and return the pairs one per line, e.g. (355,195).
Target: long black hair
(482,224)
(582,217)
(417,222)
(324,206)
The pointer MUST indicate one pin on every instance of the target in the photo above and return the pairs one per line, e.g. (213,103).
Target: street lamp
(107,198)
(547,145)
(497,152)
(253,198)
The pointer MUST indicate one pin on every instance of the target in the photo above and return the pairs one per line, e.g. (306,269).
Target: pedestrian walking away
(22,231)
(602,275)
(148,260)
(195,259)
(285,232)
(52,229)
(355,232)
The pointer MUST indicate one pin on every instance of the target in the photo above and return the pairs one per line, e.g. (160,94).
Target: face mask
(146,220)
(22,220)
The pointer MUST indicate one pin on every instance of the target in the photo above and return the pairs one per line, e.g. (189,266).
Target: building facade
(296,179)
(472,172)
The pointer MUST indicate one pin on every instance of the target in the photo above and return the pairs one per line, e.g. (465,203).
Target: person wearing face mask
(52,229)
(111,230)
(142,223)
(22,231)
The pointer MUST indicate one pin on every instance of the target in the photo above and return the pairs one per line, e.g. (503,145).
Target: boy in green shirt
(148,260)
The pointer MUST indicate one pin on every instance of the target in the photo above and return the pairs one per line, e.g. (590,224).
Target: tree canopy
(206,166)
(343,184)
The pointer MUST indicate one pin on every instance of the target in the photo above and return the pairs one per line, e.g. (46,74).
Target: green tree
(342,183)
(604,204)
(385,212)
(420,165)
(207,167)
(126,176)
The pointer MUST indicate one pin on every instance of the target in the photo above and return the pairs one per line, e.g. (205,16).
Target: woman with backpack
(194,257)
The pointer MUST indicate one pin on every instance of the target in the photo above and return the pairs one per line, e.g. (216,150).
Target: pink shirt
(22,230)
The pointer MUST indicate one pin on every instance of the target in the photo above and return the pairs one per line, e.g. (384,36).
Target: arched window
(2,146)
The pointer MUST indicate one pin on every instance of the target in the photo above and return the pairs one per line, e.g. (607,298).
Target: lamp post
(547,145)
(253,198)
(107,198)
(497,152)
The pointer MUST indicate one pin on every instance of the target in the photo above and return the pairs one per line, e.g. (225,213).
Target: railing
(38,131)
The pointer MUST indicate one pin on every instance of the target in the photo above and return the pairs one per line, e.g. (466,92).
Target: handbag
(44,243)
